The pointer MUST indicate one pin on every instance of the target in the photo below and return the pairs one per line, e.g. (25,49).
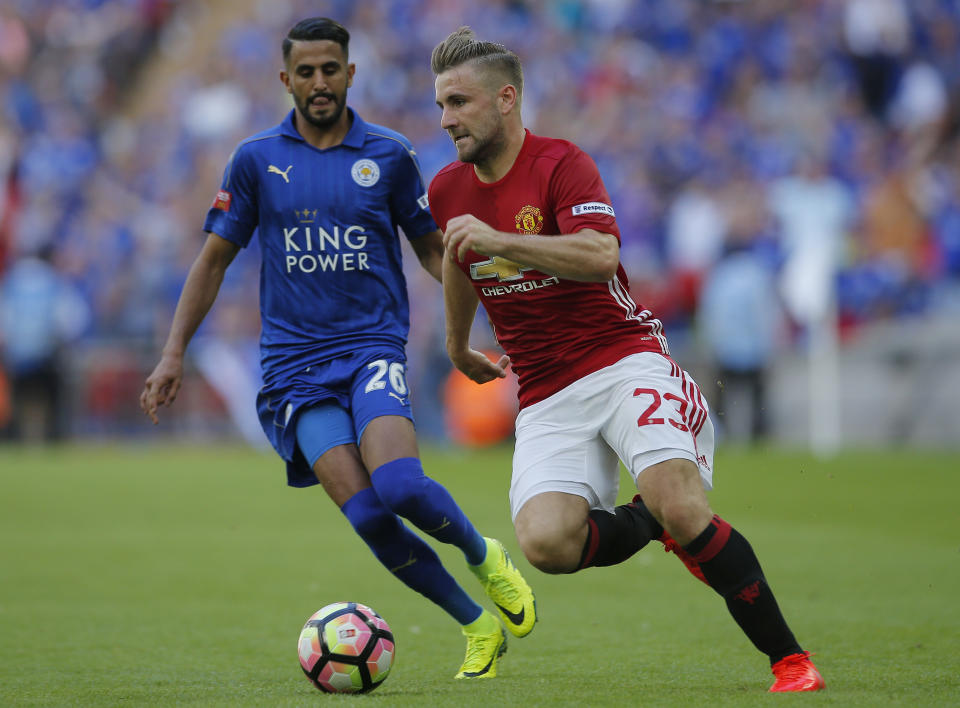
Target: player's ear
(285,78)
(351,70)
(507,98)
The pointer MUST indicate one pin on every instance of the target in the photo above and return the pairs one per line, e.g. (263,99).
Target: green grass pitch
(182,575)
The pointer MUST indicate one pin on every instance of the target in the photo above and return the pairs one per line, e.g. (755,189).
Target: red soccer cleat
(796,673)
(671,546)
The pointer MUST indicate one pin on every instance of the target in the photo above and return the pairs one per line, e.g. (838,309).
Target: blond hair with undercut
(462,47)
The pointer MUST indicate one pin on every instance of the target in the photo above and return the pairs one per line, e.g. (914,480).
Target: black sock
(732,569)
(612,538)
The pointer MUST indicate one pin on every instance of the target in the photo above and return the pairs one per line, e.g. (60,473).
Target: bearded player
(325,192)
(530,232)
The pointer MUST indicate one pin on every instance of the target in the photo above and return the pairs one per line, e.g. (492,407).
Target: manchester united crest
(529,220)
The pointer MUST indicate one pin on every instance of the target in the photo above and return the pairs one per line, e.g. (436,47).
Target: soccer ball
(346,647)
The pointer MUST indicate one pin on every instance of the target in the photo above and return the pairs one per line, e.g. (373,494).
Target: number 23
(646,417)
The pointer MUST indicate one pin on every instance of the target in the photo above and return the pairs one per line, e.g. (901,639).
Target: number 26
(395,375)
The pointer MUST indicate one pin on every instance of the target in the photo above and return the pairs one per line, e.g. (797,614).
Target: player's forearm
(588,255)
(429,250)
(434,266)
(460,305)
(199,293)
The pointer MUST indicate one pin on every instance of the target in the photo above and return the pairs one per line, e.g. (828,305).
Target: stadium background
(118,117)
(180,573)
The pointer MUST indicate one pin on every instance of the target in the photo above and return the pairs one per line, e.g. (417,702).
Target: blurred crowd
(810,144)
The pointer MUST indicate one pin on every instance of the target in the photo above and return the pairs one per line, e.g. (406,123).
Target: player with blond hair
(530,232)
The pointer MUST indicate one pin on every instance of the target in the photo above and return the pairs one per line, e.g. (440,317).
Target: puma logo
(446,522)
(283,173)
(410,561)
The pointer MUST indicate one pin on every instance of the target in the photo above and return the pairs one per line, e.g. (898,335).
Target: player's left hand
(467,233)
(477,367)
(162,386)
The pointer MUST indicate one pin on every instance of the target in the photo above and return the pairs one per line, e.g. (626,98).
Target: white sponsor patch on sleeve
(423,202)
(593,208)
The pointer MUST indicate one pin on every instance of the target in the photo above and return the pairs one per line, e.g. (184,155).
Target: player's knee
(403,501)
(548,553)
(673,493)
(401,485)
(685,517)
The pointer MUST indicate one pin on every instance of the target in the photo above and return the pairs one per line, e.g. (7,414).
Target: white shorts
(642,410)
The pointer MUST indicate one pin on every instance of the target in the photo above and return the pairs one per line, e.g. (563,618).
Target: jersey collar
(354,137)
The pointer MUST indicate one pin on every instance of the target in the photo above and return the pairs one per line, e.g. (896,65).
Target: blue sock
(407,556)
(407,491)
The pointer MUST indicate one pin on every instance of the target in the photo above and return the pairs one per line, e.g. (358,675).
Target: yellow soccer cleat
(509,591)
(483,651)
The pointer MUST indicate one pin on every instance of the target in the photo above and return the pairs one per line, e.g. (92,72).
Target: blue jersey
(331,278)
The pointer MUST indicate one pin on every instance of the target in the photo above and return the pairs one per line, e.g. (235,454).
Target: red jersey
(556,331)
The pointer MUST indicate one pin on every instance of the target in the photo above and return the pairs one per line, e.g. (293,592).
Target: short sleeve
(234,214)
(408,199)
(580,197)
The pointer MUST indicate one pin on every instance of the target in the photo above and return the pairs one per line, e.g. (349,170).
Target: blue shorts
(364,385)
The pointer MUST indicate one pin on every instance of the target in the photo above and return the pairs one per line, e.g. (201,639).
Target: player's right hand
(162,386)
(467,233)
(477,367)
